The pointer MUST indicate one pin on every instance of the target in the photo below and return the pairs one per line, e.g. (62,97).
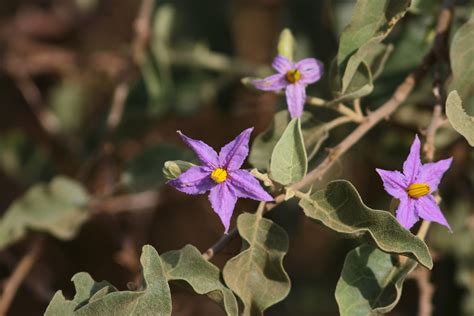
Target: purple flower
(414,188)
(221,175)
(293,77)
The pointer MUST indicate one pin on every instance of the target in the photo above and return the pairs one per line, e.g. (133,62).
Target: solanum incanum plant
(289,173)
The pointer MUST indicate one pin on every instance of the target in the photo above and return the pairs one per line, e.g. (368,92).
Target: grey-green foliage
(58,208)
(459,119)
(289,162)
(314,134)
(256,274)
(340,208)
(102,299)
(142,173)
(189,266)
(462,54)
(361,55)
(371,282)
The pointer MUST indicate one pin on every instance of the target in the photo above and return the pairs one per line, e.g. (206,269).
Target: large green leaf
(257,275)
(289,162)
(58,208)
(314,134)
(143,172)
(361,56)
(462,55)
(370,19)
(459,119)
(340,208)
(371,282)
(102,299)
(188,265)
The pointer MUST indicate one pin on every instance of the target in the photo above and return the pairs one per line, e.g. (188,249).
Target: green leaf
(58,208)
(461,55)
(371,282)
(143,172)
(86,288)
(314,134)
(340,208)
(257,275)
(188,265)
(461,122)
(286,44)
(289,162)
(370,19)
(102,299)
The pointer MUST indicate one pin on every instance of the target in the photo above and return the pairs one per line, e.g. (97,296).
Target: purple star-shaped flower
(221,175)
(293,77)
(414,188)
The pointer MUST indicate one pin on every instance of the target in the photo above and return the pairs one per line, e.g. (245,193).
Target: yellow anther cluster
(219,175)
(293,75)
(417,190)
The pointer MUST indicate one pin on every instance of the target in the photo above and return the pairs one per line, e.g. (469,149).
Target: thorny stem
(339,107)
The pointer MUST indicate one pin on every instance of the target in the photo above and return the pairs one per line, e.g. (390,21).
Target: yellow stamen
(417,190)
(219,175)
(293,75)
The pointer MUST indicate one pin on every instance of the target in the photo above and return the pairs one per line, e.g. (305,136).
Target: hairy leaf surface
(257,275)
(340,208)
(189,266)
(371,282)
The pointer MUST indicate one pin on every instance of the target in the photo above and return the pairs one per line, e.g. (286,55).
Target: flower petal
(205,153)
(246,186)
(223,199)
(232,155)
(412,165)
(429,210)
(311,70)
(282,64)
(295,98)
(431,173)
(394,183)
(271,83)
(196,180)
(406,213)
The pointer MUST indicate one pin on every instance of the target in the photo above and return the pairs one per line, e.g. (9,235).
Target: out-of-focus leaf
(189,266)
(314,134)
(91,298)
(462,54)
(86,288)
(289,162)
(257,275)
(371,282)
(143,172)
(69,101)
(340,208)
(286,44)
(22,159)
(461,122)
(58,208)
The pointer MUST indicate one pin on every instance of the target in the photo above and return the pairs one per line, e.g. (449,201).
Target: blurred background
(96,89)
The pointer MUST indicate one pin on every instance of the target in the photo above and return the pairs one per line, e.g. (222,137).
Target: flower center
(219,175)
(417,190)
(293,75)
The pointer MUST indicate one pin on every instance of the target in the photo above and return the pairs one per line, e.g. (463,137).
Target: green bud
(174,168)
